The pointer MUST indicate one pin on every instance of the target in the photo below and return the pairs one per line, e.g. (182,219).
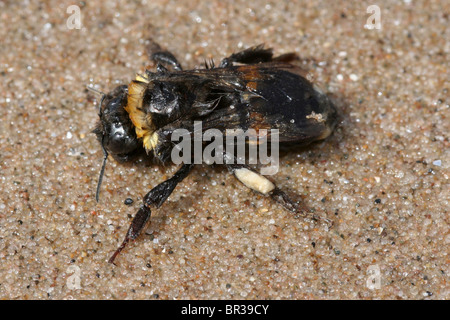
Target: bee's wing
(262,97)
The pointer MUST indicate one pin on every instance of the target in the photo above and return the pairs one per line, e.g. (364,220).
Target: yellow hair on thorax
(141,121)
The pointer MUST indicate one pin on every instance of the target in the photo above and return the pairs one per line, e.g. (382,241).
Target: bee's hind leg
(259,183)
(257,54)
(252,55)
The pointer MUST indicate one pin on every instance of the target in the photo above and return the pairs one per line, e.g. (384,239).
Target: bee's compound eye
(117,130)
(119,140)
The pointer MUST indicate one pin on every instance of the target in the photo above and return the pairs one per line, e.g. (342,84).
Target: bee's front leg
(161,56)
(155,198)
(137,225)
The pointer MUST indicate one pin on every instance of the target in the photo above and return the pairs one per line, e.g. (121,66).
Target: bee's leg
(251,55)
(165,57)
(257,182)
(160,193)
(255,55)
(155,198)
(286,57)
(137,225)
(159,55)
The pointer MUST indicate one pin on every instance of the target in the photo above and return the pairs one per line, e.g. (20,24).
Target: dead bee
(250,89)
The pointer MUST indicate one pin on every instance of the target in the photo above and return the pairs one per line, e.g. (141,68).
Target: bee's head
(115,131)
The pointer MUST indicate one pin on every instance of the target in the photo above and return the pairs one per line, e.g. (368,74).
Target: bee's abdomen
(284,100)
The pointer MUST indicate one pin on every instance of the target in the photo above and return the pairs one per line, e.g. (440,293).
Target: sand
(382,177)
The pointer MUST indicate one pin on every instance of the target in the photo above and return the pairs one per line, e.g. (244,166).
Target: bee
(250,89)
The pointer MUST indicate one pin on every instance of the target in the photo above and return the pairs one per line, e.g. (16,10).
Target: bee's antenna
(92,89)
(105,153)
(102,171)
